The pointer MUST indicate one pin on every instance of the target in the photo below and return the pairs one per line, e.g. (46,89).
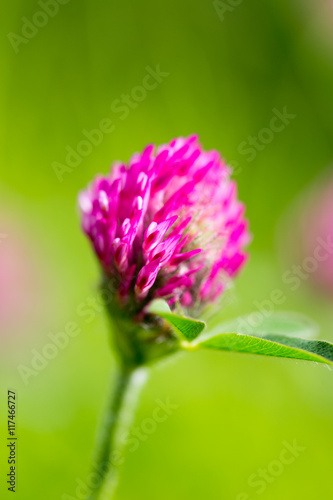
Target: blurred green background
(226,72)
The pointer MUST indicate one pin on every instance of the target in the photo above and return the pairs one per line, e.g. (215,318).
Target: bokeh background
(225,70)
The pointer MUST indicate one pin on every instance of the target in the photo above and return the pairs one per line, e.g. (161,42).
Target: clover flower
(167,225)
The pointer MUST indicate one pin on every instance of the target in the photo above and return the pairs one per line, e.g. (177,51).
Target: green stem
(119,416)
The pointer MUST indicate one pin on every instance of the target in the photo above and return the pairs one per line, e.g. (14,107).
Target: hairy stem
(119,416)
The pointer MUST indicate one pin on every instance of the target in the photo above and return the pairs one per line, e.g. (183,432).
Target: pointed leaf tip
(185,328)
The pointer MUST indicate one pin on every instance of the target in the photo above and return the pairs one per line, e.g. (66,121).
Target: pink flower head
(168,225)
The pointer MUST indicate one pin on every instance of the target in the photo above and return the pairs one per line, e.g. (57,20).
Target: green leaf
(275,345)
(286,323)
(185,328)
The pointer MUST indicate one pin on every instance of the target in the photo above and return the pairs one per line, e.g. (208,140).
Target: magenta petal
(120,255)
(182,257)
(146,279)
(155,233)
(164,251)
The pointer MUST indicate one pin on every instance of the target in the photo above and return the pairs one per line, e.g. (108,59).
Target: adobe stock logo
(138,434)
(31,27)
(255,144)
(120,109)
(278,123)
(263,477)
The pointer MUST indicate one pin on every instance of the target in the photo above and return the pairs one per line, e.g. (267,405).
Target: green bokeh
(224,80)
